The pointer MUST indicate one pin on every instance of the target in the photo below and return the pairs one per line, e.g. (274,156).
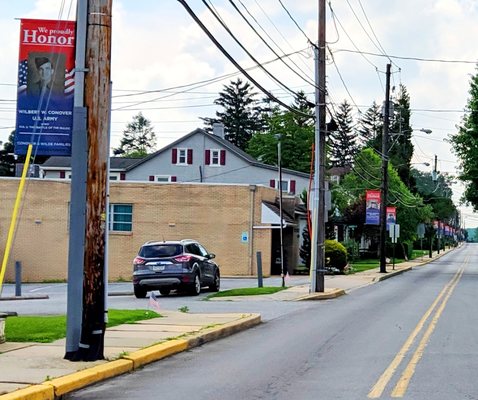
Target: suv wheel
(196,287)
(164,292)
(214,287)
(140,292)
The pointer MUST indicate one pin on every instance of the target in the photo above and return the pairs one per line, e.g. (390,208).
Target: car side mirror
(211,256)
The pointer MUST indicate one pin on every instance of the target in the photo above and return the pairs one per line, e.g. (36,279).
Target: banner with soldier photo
(45,87)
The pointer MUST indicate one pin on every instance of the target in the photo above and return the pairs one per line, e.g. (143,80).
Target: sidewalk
(33,371)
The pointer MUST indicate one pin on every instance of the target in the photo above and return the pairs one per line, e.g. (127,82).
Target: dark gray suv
(167,265)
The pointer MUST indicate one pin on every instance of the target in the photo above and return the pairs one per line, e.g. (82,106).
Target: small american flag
(69,81)
(22,76)
(153,303)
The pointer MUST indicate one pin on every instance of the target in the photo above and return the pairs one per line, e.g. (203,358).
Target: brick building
(233,221)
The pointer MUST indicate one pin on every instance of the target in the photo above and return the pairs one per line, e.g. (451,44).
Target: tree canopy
(138,138)
(241,115)
(465,146)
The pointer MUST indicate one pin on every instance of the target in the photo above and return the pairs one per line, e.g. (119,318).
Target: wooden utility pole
(97,102)
(384,186)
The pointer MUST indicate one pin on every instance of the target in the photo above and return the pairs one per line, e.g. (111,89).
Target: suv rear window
(160,250)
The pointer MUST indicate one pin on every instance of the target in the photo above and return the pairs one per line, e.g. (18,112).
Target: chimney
(218,129)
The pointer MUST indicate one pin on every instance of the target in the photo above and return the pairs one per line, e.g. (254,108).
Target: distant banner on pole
(372,207)
(391,216)
(45,87)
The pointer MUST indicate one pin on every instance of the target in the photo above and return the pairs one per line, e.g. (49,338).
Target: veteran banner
(372,207)
(45,87)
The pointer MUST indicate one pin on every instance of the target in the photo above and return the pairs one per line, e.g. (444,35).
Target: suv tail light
(182,259)
(139,260)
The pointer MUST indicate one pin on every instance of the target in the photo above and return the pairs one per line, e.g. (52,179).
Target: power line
(295,22)
(226,28)
(404,57)
(234,62)
(268,46)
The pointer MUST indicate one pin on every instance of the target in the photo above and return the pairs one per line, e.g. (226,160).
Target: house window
(286,186)
(182,156)
(215,154)
(121,217)
(164,178)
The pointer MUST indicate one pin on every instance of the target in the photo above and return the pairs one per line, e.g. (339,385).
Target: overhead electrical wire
(258,63)
(294,21)
(235,63)
(269,36)
(438,60)
(277,29)
(269,46)
(334,16)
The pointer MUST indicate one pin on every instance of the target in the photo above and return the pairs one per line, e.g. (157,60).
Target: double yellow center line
(407,374)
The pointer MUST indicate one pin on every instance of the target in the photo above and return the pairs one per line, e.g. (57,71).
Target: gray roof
(121,163)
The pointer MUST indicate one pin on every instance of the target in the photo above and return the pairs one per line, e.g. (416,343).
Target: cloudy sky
(159,49)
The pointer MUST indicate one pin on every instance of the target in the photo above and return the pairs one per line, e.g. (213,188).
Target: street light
(281,230)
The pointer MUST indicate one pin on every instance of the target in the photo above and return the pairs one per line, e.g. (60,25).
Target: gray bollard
(259,269)
(18,278)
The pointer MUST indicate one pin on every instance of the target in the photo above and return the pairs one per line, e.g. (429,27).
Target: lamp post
(281,230)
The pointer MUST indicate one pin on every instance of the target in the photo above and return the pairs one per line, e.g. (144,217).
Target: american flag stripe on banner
(69,81)
(22,76)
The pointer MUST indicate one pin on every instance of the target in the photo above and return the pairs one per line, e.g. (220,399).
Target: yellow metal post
(13,221)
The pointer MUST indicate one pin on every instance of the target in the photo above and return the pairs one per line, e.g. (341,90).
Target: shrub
(335,255)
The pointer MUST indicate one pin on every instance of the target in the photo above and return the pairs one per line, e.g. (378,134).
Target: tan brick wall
(216,215)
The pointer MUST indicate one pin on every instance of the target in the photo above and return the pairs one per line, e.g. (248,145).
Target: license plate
(158,268)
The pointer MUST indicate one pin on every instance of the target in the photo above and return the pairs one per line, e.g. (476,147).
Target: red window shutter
(272,183)
(122,176)
(174,179)
(151,178)
(207,157)
(174,156)
(292,186)
(223,157)
(190,156)
(62,174)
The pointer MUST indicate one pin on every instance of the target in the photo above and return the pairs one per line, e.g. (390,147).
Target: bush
(335,255)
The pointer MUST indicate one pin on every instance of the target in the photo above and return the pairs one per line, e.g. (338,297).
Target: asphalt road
(414,337)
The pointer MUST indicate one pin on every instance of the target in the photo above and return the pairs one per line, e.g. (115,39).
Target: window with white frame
(121,217)
(284,186)
(215,157)
(183,156)
(162,178)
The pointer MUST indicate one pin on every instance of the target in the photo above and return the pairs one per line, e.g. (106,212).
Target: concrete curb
(26,297)
(331,294)
(55,388)
(391,274)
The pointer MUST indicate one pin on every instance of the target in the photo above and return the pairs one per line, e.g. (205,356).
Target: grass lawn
(46,329)
(247,291)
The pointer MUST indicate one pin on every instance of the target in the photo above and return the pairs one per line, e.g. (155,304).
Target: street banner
(447,230)
(45,87)
(372,207)
(391,216)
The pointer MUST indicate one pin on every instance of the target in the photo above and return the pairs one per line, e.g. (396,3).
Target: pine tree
(401,146)
(342,142)
(370,127)
(242,115)
(138,138)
